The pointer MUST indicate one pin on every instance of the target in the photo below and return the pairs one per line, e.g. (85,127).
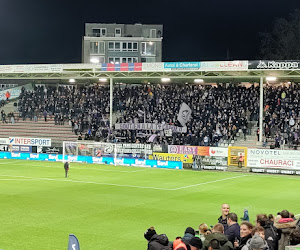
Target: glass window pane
(111,46)
(124,46)
(129,46)
(117,46)
(101,47)
(144,48)
(124,60)
(134,46)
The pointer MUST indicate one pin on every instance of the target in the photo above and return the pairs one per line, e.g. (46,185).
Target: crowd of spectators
(267,233)
(219,113)
(282,112)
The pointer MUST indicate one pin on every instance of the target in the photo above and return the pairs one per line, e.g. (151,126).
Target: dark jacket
(225,244)
(187,238)
(223,222)
(158,242)
(243,242)
(233,232)
(271,236)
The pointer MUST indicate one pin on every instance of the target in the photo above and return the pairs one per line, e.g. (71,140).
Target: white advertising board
(271,158)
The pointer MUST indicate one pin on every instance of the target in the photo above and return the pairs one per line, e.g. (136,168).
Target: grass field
(110,207)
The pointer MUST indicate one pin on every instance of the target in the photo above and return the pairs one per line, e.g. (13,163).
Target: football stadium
(133,153)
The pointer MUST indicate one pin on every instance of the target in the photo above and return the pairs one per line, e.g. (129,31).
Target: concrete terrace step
(42,128)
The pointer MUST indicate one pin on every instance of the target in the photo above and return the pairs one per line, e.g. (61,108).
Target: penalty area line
(208,182)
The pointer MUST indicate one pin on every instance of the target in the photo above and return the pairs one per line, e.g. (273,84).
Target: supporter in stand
(233,230)
(218,234)
(271,234)
(245,234)
(225,208)
(155,241)
(285,225)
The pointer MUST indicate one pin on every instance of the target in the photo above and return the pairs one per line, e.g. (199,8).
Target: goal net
(97,152)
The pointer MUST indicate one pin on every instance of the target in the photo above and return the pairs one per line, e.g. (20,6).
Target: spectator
(188,235)
(217,234)
(156,242)
(233,230)
(195,243)
(203,228)
(285,226)
(225,208)
(271,234)
(245,234)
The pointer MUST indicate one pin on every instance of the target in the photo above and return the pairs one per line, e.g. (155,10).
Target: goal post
(100,152)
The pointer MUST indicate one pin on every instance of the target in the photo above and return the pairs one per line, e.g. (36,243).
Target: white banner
(218,152)
(31,68)
(270,158)
(149,126)
(224,66)
(4,140)
(184,114)
(30,141)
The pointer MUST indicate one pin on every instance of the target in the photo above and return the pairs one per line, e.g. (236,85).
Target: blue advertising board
(91,159)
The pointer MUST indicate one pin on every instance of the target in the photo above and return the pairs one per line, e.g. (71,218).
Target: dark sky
(37,31)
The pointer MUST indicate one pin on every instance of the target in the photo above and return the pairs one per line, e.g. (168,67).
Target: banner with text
(270,158)
(149,126)
(30,141)
(271,65)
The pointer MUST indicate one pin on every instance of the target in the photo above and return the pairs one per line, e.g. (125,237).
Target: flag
(73,243)
(140,112)
(151,138)
(184,114)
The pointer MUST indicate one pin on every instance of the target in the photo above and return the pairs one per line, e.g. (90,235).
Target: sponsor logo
(162,163)
(277,65)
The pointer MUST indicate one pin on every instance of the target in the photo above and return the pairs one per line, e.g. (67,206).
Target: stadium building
(122,43)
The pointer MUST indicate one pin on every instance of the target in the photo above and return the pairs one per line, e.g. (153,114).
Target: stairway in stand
(39,129)
(237,169)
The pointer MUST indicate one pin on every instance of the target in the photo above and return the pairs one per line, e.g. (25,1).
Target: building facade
(122,43)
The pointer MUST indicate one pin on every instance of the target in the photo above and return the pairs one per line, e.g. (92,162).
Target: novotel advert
(30,141)
(271,158)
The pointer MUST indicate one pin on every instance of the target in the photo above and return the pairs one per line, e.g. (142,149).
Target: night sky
(51,31)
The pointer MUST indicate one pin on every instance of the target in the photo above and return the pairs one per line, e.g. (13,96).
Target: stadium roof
(211,71)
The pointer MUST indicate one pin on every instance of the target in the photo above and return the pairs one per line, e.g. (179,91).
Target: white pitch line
(86,182)
(208,182)
(120,185)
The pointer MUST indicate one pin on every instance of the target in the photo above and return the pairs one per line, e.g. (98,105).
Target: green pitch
(110,207)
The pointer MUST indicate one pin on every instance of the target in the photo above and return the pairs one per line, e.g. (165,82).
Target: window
(152,33)
(129,46)
(118,32)
(123,60)
(96,32)
(99,32)
(148,59)
(117,46)
(114,46)
(111,46)
(97,47)
(148,48)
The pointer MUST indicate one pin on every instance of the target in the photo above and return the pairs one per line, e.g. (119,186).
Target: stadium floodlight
(271,78)
(198,81)
(186,83)
(165,79)
(72,80)
(102,80)
(149,83)
(94,60)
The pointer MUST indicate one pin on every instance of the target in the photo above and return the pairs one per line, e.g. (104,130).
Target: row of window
(102,32)
(101,59)
(147,48)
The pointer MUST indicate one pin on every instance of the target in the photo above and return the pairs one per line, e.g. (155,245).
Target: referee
(66,167)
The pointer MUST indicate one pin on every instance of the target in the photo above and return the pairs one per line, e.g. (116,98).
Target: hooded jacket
(284,230)
(158,242)
(225,244)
